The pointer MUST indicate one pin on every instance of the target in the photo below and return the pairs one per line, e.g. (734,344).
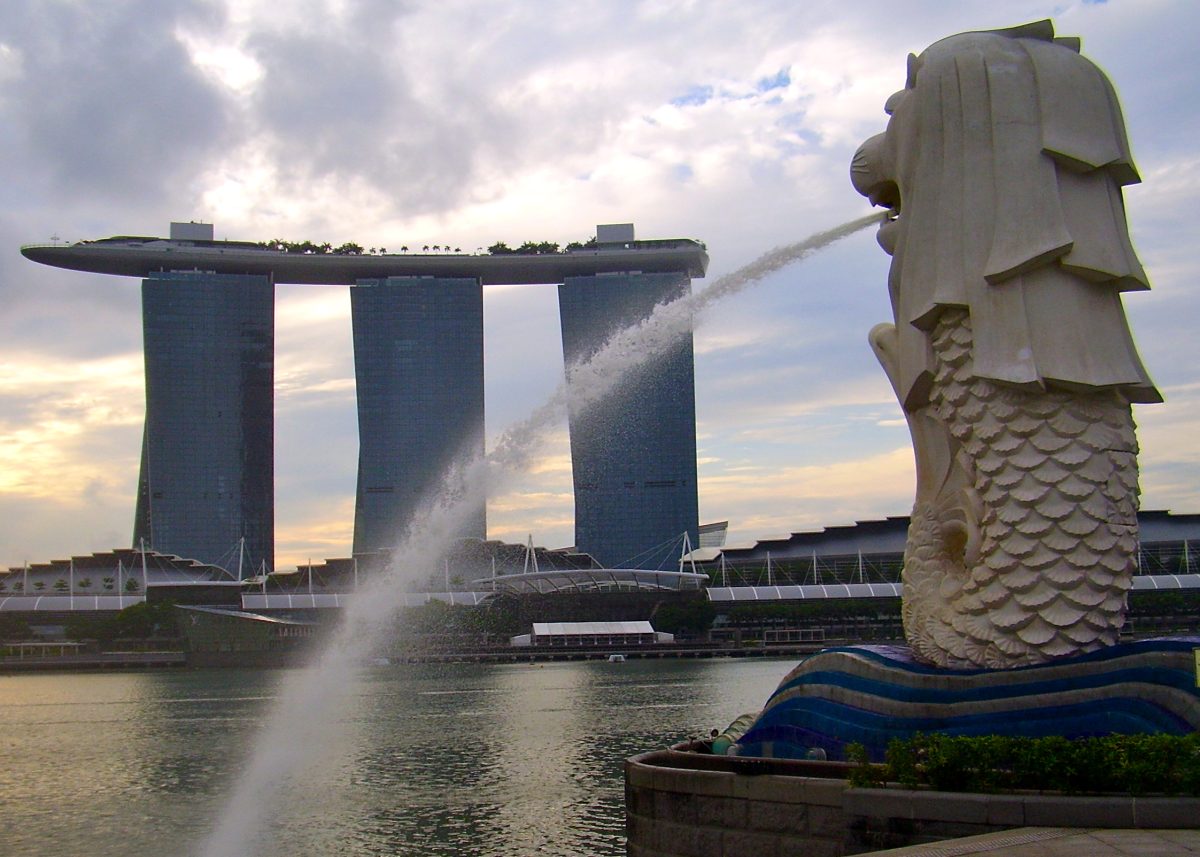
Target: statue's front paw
(885,343)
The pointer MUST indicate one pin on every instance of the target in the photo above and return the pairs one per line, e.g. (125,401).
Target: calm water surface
(432,760)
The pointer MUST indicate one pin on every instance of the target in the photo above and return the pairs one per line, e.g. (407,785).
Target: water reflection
(499,760)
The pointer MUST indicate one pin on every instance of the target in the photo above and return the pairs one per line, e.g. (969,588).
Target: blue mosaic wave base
(872,694)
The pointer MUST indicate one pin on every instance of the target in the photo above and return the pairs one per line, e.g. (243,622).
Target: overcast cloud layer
(462,123)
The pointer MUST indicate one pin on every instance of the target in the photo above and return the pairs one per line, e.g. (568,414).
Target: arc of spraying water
(298,727)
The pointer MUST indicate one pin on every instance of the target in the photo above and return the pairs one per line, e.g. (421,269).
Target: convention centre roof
(593,580)
(320,600)
(67,603)
(1141,583)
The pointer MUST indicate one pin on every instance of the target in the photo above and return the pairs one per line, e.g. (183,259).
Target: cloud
(464,122)
(104,100)
(771,498)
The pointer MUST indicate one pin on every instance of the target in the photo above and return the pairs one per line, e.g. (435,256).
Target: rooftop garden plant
(529,248)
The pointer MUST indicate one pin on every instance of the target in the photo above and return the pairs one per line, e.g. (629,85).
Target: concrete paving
(1059,842)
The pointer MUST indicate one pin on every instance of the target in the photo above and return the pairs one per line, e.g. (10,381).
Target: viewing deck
(138,257)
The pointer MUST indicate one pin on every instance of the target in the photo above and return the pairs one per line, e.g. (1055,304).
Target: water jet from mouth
(299,727)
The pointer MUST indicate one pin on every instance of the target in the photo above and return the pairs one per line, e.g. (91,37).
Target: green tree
(432,618)
(529,248)
(695,616)
(60,585)
(147,619)
(13,628)
(82,626)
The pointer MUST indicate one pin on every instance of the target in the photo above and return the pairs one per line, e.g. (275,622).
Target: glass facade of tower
(207,476)
(418,361)
(633,454)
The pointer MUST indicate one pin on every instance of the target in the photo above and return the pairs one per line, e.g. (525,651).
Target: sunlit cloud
(60,421)
(316,533)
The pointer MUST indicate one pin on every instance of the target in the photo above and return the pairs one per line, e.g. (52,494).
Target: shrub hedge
(1125,764)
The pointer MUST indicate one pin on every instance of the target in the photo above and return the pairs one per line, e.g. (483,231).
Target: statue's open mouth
(887,195)
(870,174)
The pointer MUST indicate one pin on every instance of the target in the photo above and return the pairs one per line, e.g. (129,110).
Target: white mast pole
(770,580)
(355,560)
(241,553)
(71,584)
(530,554)
(686,553)
(816,571)
(310,575)
(25,580)
(724,571)
(145,573)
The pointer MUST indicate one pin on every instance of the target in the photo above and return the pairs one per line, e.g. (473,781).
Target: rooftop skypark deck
(139,256)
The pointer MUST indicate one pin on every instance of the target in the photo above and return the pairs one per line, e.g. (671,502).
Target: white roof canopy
(590,629)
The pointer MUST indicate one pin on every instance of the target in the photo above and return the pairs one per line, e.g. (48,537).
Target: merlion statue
(1003,163)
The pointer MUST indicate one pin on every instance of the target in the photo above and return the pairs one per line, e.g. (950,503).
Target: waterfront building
(633,455)
(418,364)
(207,471)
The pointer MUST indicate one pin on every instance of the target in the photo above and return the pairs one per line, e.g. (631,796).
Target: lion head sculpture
(1004,161)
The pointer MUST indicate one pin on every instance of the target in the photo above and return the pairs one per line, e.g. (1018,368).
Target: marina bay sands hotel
(207,469)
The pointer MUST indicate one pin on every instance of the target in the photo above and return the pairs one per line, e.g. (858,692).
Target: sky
(465,122)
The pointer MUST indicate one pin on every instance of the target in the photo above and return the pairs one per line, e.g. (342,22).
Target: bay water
(453,759)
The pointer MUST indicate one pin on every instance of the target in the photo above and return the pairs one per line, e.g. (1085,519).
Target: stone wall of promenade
(675,812)
(681,804)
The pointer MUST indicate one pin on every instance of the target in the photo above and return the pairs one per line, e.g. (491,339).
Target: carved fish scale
(1051,514)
